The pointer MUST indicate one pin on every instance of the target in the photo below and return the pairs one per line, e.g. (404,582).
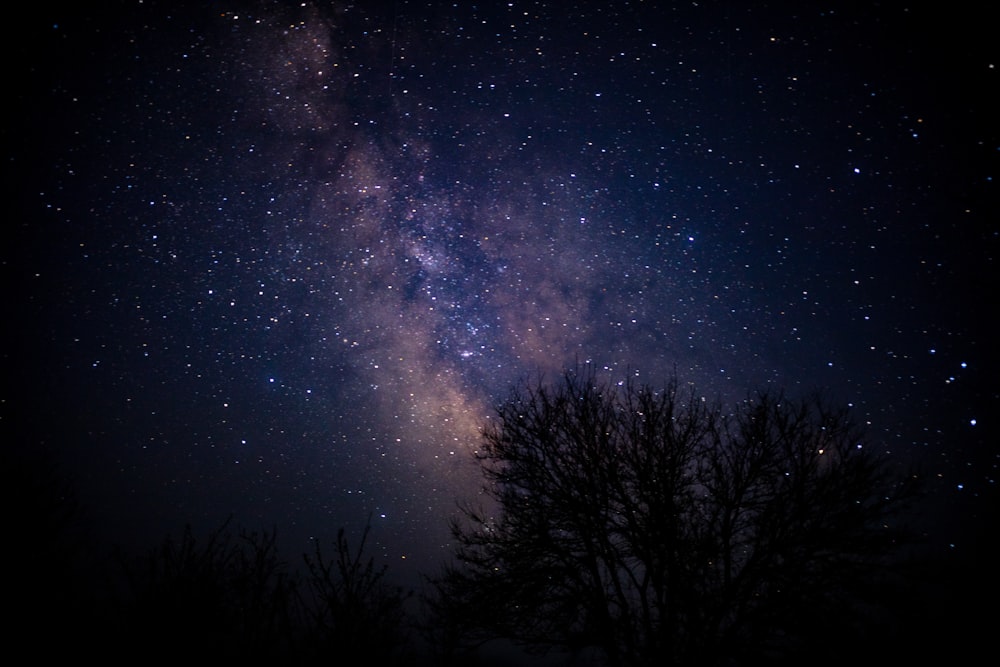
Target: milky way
(283,259)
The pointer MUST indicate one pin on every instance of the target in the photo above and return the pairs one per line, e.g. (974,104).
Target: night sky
(277,260)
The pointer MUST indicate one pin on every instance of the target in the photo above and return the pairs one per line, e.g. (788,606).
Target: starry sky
(278,259)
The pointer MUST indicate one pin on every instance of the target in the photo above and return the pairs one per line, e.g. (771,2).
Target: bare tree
(352,609)
(657,527)
(229,597)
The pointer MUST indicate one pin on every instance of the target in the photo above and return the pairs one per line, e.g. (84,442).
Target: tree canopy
(655,526)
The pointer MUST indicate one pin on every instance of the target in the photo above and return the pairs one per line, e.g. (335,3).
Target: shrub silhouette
(352,610)
(230,597)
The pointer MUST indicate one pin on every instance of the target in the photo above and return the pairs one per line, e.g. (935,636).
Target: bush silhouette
(229,597)
(351,609)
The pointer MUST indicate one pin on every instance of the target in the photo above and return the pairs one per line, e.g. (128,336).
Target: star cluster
(279,260)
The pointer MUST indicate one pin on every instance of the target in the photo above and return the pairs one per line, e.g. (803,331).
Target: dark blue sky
(277,261)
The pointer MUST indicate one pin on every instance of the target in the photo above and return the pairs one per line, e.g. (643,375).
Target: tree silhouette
(352,609)
(656,527)
(227,598)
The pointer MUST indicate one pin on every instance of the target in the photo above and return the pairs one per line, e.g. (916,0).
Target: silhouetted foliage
(352,609)
(231,597)
(658,528)
(227,598)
